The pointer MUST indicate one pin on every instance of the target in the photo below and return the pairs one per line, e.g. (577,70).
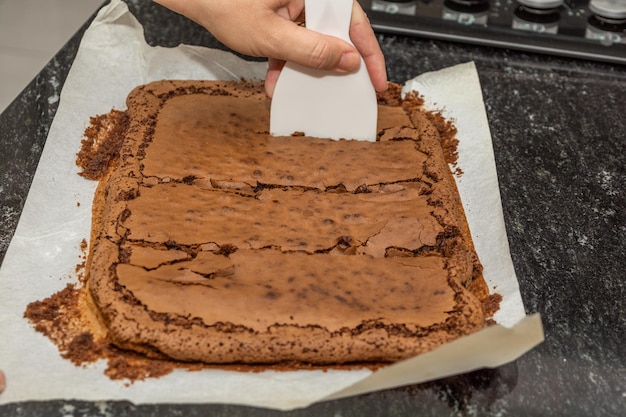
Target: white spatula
(321,103)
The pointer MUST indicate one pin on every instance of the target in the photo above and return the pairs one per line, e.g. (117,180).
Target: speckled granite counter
(559,133)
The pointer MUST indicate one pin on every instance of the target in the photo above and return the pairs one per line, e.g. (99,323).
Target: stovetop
(588,29)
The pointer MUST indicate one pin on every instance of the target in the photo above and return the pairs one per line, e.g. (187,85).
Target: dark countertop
(559,135)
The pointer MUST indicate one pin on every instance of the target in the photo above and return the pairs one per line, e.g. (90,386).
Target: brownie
(214,241)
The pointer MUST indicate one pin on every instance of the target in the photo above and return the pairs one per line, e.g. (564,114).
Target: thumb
(274,68)
(312,49)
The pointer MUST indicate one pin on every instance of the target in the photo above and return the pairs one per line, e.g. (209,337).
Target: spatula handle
(330,17)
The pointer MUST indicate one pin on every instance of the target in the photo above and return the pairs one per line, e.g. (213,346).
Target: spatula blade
(321,103)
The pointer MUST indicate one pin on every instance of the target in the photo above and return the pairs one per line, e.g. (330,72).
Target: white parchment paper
(113,58)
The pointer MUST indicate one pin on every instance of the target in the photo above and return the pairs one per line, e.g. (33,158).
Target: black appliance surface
(571,29)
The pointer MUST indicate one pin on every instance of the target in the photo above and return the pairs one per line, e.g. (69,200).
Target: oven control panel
(587,29)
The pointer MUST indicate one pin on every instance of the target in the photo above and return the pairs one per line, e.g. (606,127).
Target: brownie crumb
(59,318)
(126,365)
(392,97)
(102,143)
(50,309)
(447,134)
(83,349)
(491,304)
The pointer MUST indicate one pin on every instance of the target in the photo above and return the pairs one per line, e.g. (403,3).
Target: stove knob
(467,6)
(540,16)
(611,9)
(541,4)
(406,7)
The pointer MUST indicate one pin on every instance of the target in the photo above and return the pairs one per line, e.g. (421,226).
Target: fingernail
(349,61)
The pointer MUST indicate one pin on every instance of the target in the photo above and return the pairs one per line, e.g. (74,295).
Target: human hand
(3,382)
(268,28)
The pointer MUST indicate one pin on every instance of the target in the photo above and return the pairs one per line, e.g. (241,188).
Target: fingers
(271,77)
(362,35)
(287,41)
(3,382)
(266,28)
(328,53)
(311,49)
